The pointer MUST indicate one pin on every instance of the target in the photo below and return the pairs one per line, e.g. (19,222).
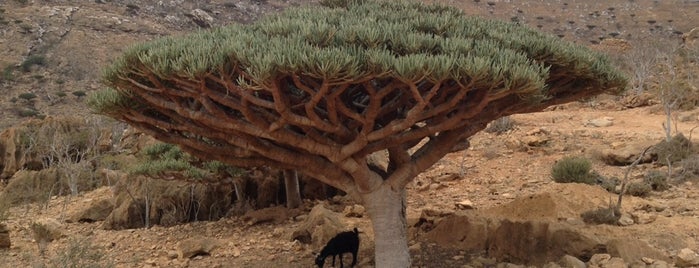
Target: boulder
(571,262)
(96,210)
(626,155)
(460,231)
(196,246)
(320,226)
(600,122)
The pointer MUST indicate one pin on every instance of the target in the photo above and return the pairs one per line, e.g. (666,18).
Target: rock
(535,140)
(192,247)
(571,262)
(458,231)
(632,250)
(625,220)
(599,259)
(276,214)
(638,100)
(172,254)
(659,264)
(626,155)
(415,248)
(464,204)
(201,18)
(356,211)
(321,225)
(4,237)
(600,122)
(615,262)
(97,210)
(686,258)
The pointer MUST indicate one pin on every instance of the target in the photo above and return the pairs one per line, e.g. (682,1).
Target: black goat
(345,242)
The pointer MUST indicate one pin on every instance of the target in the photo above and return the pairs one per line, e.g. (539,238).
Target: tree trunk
(291,185)
(386,208)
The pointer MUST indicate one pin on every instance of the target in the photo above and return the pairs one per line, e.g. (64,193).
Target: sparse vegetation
(78,253)
(657,180)
(31,61)
(609,215)
(27,112)
(27,96)
(42,236)
(639,189)
(573,169)
(500,125)
(7,73)
(79,93)
(673,150)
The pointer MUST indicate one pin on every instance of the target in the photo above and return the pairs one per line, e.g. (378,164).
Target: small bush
(678,148)
(79,253)
(500,125)
(609,215)
(31,61)
(690,167)
(7,73)
(27,96)
(42,236)
(573,169)
(79,93)
(28,113)
(61,94)
(639,189)
(657,180)
(609,184)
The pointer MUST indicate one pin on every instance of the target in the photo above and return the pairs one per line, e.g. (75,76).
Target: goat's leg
(354,259)
(341,265)
(334,260)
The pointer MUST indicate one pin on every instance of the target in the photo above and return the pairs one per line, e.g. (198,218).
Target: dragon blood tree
(320,89)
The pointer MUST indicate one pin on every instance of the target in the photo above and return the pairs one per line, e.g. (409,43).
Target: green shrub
(79,93)
(573,169)
(31,61)
(7,73)
(27,112)
(638,189)
(61,94)
(27,96)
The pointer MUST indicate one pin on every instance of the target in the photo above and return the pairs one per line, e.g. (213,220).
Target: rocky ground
(491,205)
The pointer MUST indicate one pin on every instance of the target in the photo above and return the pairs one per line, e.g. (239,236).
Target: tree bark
(386,207)
(291,185)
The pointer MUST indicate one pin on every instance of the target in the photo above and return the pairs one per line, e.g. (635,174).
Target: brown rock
(459,231)
(192,247)
(276,214)
(632,250)
(626,155)
(97,210)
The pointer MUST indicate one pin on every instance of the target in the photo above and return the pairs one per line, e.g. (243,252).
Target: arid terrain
(492,205)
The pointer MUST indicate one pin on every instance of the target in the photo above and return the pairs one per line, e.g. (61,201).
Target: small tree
(320,89)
